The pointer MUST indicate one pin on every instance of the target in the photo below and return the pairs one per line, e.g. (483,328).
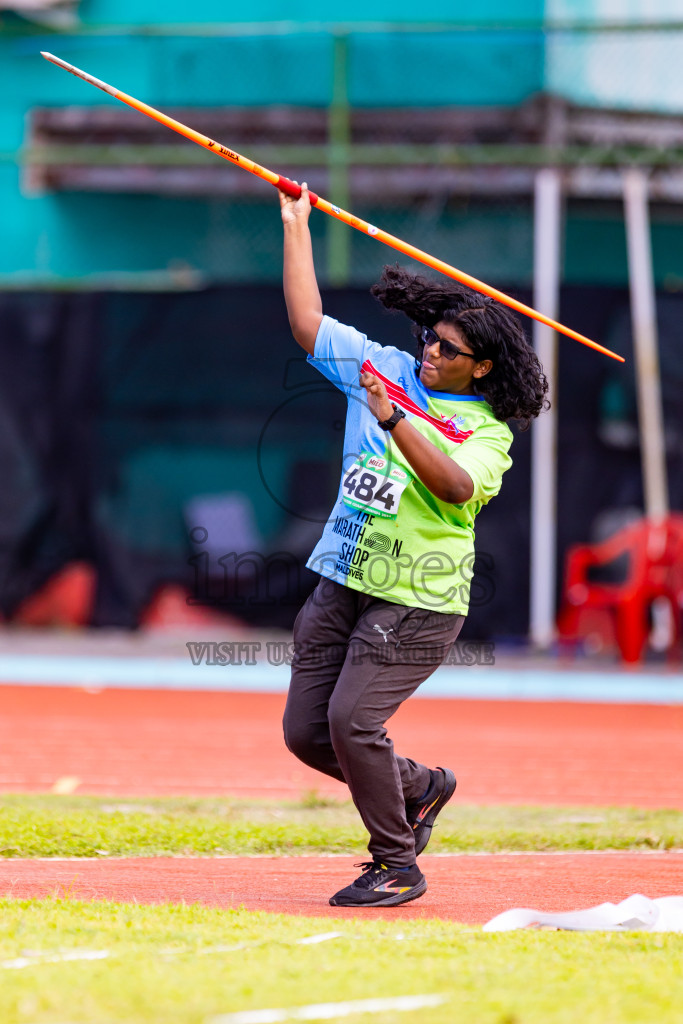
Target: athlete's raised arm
(304,305)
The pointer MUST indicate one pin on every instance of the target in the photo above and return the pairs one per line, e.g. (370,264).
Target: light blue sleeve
(340,351)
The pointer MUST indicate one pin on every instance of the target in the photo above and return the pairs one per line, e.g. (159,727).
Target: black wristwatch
(398,414)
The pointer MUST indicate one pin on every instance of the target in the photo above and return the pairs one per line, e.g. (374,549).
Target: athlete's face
(456,375)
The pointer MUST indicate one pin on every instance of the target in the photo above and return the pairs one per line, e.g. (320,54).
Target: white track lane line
(36,959)
(53,958)
(328,1011)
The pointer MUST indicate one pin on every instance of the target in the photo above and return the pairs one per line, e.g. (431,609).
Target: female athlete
(426,445)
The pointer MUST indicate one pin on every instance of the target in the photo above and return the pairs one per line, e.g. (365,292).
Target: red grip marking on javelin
(290,188)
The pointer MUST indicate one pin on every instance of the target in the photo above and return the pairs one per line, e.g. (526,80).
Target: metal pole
(644,324)
(547,254)
(339,139)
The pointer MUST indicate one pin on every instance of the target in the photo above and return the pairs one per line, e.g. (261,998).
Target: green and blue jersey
(388,535)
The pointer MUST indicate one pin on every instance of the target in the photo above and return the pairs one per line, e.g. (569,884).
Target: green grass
(163,965)
(63,826)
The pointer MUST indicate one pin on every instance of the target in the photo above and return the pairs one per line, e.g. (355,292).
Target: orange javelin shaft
(292,189)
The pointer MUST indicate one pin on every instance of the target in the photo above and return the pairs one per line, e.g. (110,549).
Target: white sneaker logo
(385,633)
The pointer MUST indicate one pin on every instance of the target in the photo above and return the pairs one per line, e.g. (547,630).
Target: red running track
(122,742)
(137,742)
(469,889)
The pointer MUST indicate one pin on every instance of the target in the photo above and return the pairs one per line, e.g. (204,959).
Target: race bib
(373,485)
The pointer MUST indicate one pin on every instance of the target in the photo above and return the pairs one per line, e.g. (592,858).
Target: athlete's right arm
(304,305)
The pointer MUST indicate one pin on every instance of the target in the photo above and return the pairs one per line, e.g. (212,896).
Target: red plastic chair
(653,553)
(66,599)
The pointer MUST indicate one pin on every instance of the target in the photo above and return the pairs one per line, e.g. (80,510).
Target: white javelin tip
(78,73)
(55,60)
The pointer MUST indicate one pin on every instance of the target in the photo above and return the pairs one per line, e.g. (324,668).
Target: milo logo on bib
(371,485)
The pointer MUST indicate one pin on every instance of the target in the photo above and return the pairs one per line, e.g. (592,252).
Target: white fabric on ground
(637,912)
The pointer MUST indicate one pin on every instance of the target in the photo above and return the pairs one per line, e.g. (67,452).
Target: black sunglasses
(447,348)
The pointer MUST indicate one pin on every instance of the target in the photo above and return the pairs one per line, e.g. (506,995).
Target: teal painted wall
(73,236)
(69,237)
(124,12)
(636,70)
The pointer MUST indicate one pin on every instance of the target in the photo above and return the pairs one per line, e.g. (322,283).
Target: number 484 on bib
(374,485)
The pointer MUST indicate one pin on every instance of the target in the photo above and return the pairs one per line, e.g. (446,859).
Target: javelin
(292,189)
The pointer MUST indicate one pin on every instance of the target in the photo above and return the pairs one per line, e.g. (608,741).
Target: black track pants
(356,659)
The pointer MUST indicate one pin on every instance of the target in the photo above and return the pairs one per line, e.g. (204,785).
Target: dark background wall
(128,418)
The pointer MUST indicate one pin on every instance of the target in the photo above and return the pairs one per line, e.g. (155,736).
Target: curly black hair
(516,386)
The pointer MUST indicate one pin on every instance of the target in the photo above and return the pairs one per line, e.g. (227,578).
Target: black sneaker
(381,886)
(422,815)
